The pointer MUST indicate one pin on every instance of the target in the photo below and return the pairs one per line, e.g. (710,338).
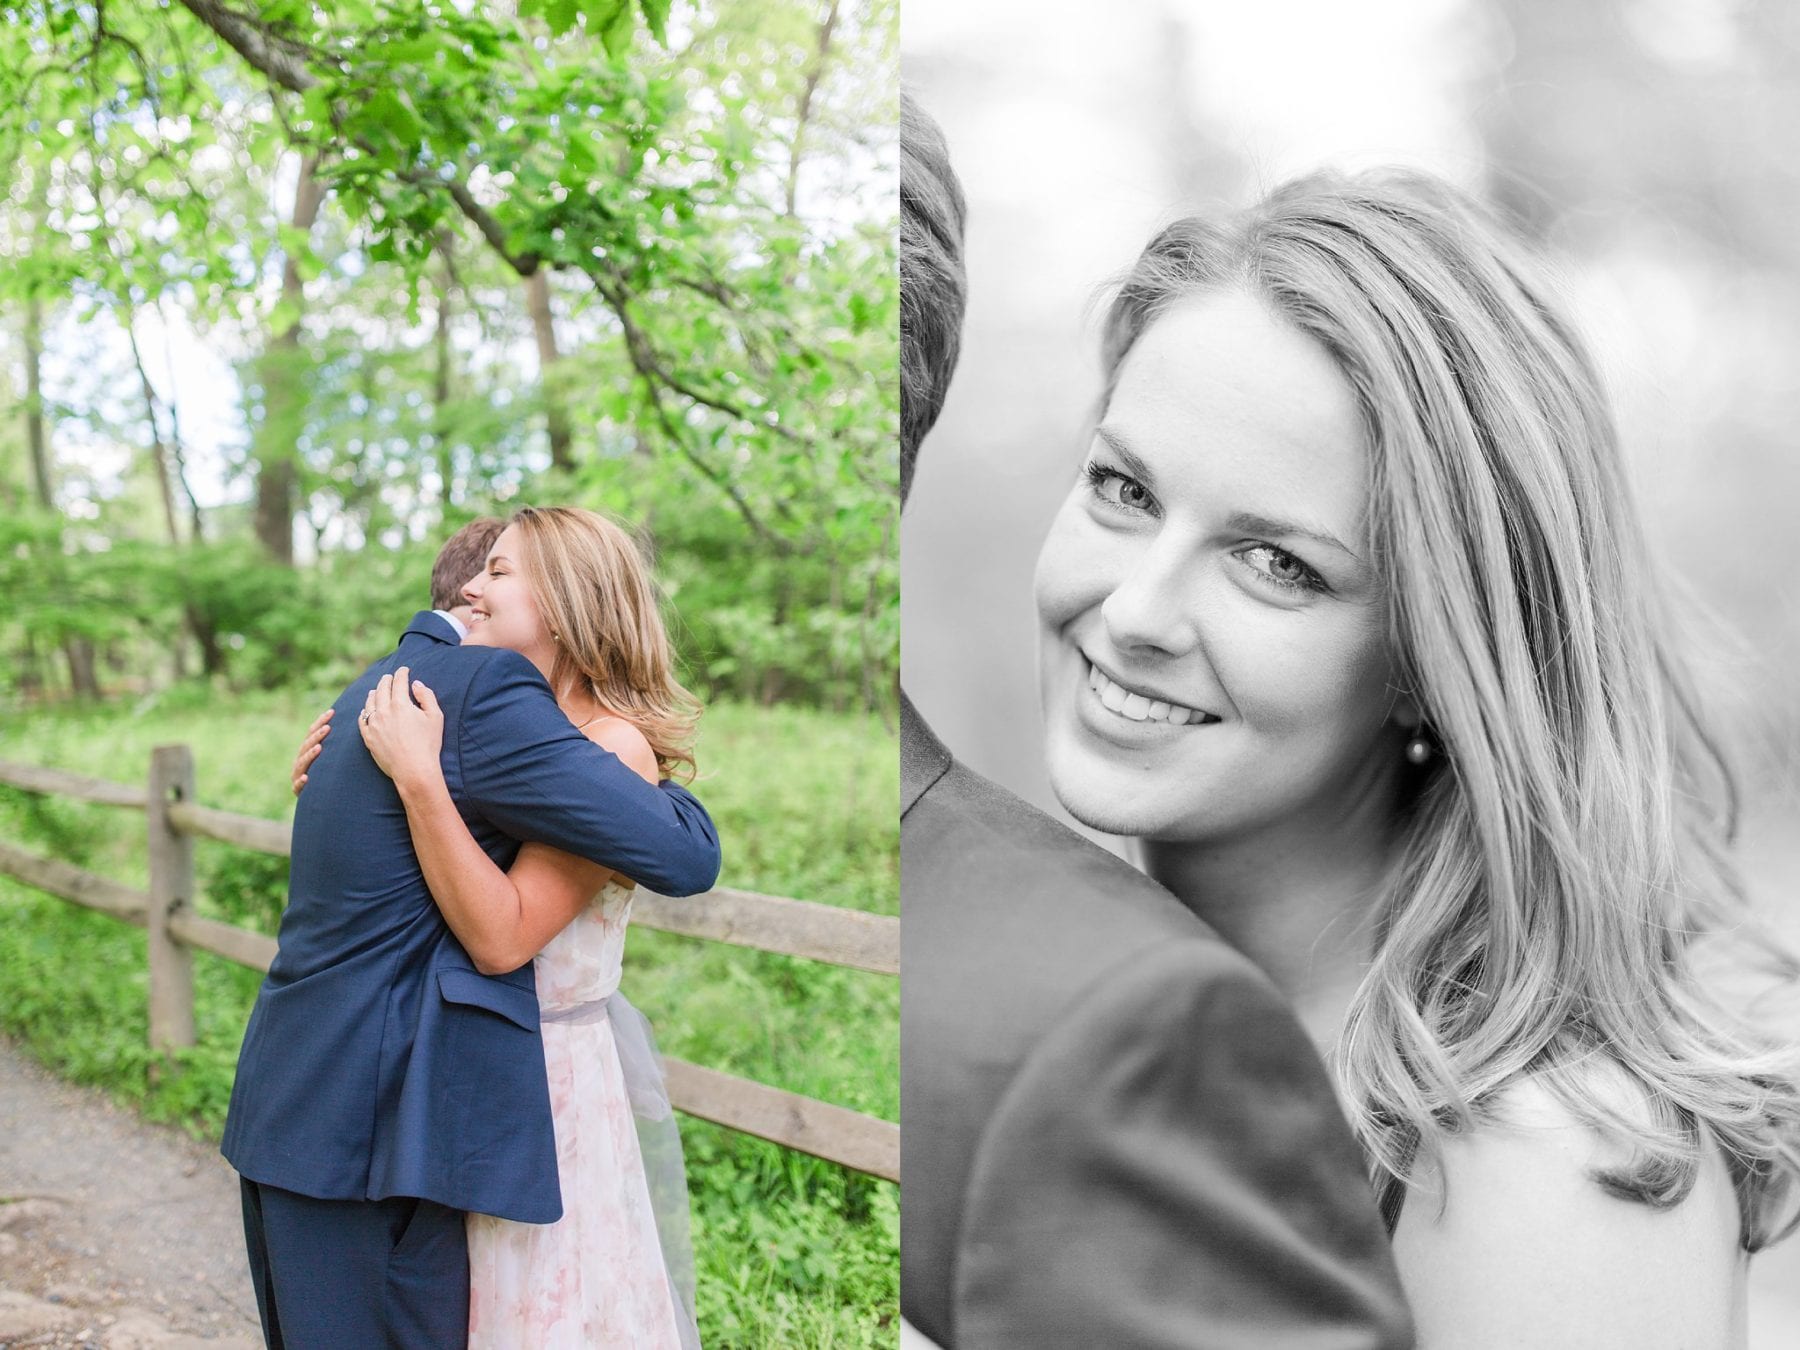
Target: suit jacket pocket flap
(509,1001)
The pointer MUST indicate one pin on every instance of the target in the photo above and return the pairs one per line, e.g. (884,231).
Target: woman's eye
(1281,569)
(1118,489)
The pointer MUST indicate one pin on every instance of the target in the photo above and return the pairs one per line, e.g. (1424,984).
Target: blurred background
(1648,145)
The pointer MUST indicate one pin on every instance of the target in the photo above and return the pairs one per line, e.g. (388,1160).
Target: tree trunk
(34,404)
(159,455)
(83,676)
(284,393)
(543,326)
(31,673)
(175,450)
(836,602)
(440,381)
(803,115)
(79,650)
(166,462)
(212,654)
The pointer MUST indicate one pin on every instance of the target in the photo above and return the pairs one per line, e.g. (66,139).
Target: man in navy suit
(1116,1133)
(385,1086)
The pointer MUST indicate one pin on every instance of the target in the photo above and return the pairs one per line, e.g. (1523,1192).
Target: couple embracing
(442,1141)
(1399,1034)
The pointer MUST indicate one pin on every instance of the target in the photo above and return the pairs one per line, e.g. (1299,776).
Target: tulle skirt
(615,1272)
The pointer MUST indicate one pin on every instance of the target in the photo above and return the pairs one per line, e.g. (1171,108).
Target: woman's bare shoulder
(1509,1239)
(627,742)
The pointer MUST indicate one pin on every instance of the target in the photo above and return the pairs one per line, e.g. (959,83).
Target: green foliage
(75,995)
(751,628)
(790,1251)
(610,19)
(725,365)
(63,589)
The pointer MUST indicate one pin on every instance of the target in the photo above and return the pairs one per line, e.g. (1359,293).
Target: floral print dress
(596,1278)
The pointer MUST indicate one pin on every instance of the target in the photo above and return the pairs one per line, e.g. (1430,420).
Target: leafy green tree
(593,251)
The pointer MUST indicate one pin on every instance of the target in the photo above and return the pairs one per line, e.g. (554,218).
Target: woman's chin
(477,635)
(1081,788)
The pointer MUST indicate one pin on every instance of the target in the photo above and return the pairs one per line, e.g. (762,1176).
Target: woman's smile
(1136,704)
(1122,716)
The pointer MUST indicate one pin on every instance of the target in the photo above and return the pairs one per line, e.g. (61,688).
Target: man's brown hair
(462,556)
(932,286)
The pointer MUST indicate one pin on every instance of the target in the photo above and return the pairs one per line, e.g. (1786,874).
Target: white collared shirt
(462,629)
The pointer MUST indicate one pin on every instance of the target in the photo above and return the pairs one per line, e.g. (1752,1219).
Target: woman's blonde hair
(593,590)
(1568,848)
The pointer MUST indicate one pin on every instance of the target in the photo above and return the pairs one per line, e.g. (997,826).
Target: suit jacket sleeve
(1169,1169)
(537,778)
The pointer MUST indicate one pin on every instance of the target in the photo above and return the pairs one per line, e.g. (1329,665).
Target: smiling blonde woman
(1348,618)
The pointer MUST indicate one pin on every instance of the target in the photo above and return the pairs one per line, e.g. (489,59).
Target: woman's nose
(471,590)
(1154,604)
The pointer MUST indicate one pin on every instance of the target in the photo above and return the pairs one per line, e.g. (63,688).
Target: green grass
(791,1251)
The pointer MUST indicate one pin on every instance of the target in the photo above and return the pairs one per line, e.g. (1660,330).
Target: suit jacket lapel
(923,758)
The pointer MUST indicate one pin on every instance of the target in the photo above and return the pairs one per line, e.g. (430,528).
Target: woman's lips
(1137,707)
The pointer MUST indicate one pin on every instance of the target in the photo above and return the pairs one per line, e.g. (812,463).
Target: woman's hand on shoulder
(309,748)
(404,737)
(1508,1240)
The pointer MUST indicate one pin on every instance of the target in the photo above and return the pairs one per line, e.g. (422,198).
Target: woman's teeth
(1137,707)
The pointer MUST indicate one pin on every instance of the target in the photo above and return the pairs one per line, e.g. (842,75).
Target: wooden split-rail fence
(166,910)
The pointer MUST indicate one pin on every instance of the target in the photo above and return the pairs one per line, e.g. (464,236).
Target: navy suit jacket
(378,1061)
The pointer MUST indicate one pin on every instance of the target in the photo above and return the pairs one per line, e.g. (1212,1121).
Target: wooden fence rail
(166,910)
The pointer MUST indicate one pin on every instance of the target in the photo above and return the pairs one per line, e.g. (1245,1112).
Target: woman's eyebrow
(1128,461)
(1251,523)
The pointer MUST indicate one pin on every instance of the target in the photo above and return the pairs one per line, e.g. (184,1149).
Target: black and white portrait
(1349,777)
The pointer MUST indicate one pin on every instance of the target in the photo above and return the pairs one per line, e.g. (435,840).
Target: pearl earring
(1418,749)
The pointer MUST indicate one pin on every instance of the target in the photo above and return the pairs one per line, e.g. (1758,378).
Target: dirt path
(114,1233)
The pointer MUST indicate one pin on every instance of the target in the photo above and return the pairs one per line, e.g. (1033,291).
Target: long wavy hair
(1568,849)
(593,589)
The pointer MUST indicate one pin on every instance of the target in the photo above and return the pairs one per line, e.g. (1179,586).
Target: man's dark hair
(462,556)
(933,288)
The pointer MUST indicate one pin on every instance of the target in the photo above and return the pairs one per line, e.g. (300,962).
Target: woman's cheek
(1275,665)
(1320,672)
(1058,567)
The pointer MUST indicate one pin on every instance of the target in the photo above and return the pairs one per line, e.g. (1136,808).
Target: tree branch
(779,542)
(804,116)
(285,62)
(649,364)
(281,59)
(480,217)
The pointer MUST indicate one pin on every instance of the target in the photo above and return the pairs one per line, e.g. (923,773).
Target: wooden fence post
(171,889)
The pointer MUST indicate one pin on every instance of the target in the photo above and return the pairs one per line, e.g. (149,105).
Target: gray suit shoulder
(1009,918)
(969,843)
(1177,1117)
(1052,992)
